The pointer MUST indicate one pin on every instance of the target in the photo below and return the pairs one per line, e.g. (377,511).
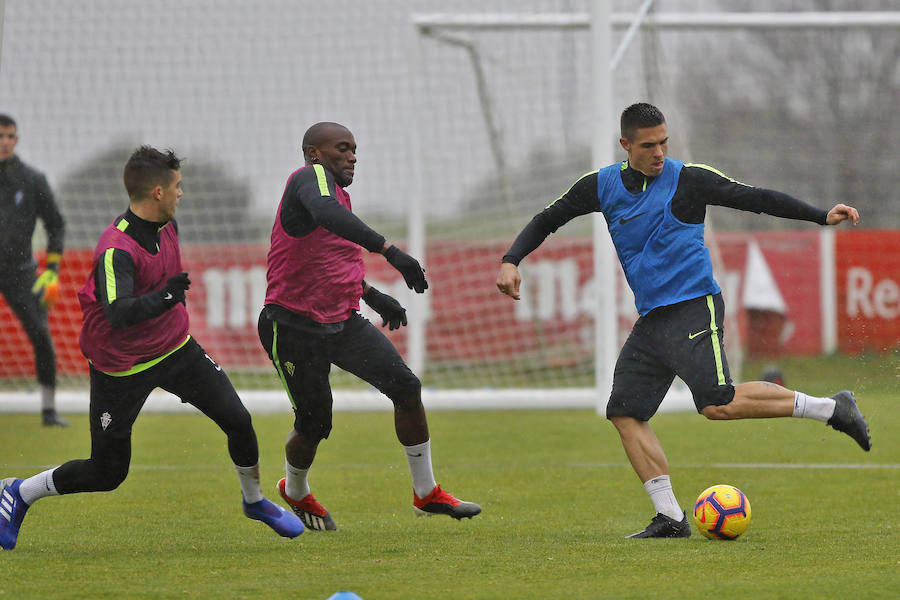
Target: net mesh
(498,124)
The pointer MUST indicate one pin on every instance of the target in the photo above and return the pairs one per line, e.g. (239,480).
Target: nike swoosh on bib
(623,221)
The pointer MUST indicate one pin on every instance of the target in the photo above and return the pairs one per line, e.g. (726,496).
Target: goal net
(464,133)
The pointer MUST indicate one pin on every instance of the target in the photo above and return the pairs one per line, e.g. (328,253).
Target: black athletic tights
(190,374)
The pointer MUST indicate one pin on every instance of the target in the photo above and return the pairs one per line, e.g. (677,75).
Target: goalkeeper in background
(310,321)
(25,196)
(655,207)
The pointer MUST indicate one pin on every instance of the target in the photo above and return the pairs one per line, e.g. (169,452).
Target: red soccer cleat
(439,502)
(313,514)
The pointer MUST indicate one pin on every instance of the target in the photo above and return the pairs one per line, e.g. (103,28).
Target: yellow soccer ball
(722,512)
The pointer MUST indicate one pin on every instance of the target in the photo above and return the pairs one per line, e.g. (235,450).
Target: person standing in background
(25,196)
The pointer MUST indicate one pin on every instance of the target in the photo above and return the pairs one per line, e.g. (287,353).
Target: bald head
(320,135)
(332,146)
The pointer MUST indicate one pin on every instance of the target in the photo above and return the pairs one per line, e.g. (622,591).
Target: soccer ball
(722,512)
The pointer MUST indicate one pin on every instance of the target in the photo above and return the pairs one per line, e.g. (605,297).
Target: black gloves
(412,271)
(175,288)
(386,306)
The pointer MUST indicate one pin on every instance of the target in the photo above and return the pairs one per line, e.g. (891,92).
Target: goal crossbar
(717,20)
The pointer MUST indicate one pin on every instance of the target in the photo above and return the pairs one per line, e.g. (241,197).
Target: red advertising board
(868,290)
(468,320)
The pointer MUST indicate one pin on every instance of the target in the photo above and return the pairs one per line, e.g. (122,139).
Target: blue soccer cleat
(12,511)
(284,522)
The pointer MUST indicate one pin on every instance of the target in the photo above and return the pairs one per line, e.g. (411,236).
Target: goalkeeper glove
(46,288)
(412,271)
(387,307)
(175,288)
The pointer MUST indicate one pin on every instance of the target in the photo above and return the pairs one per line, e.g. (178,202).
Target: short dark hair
(7,121)
(638,116)
(147,168)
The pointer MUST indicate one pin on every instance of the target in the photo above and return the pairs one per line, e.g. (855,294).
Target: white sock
(663,497)
(296,481)
(48,397)
(38,486)
(811,407)
(419,457)
(249,478)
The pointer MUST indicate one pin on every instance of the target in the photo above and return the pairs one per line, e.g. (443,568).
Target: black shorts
(188,373)
(684,339)
(303,358)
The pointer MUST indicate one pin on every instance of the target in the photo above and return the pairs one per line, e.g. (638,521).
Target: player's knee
(622,423)
(312,430)
(405,391)
(108,477)
(716,403)
(239,421)
(409,399)
(716,413)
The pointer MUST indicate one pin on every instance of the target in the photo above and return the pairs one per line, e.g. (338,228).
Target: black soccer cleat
(849,420)
(664,527)
(50,418)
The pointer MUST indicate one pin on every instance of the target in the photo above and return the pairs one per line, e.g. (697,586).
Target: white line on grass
(581,465)
(800,466)
(757,465)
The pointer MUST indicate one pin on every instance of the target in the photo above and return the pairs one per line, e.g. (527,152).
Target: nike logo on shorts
(693,335)
(168,296)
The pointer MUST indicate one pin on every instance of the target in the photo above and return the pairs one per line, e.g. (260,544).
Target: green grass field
(557,493)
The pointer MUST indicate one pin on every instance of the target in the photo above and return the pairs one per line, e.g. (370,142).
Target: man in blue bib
(655,207)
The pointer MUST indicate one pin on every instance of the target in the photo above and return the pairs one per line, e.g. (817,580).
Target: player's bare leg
(410,422)
(754,400)
(299,452)
(764,399)
(641,447)
(648,460)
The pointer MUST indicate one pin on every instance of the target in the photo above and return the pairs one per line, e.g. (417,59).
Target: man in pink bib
(311,321)
(135,336)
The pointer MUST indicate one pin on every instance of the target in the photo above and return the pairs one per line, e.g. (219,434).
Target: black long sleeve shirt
(306,207)
(699,186)
(127,309)
(25,196)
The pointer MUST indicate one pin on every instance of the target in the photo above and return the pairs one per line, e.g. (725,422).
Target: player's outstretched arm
(509,280)
(840,213)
